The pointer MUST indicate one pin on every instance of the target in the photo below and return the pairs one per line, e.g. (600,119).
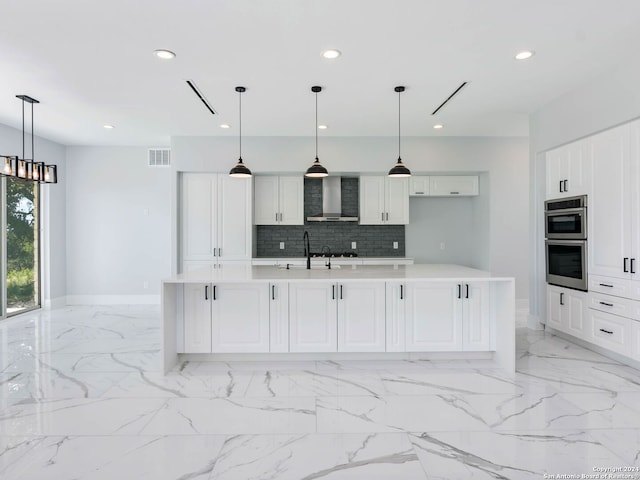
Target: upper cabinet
(384,200)
(215,219)
(419,185)
(569,170)
(279,200)
(453,186)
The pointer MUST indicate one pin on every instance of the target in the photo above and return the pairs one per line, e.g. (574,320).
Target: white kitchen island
(419,311)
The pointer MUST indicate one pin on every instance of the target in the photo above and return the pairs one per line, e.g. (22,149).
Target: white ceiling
(90,62)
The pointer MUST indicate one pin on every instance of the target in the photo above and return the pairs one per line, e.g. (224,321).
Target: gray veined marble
(82,398)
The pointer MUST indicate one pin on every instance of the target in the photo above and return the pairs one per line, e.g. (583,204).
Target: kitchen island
(416,311)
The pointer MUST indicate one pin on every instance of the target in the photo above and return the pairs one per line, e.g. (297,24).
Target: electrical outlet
(353,245)
(281,245)
(395,245)
(145,212)
(442,245)
(145,284)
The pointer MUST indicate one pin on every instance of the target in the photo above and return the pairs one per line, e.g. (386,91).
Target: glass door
(21,246)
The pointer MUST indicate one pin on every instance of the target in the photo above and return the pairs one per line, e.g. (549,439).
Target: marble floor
(81,398)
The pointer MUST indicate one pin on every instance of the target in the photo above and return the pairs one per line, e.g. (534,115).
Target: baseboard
(522,312)
(57,302)
(113,299)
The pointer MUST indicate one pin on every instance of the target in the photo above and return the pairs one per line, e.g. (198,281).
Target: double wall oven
(566,242)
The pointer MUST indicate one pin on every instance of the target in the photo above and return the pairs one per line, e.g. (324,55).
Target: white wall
(113,245)
(505,160)
(600,103)
(54,211)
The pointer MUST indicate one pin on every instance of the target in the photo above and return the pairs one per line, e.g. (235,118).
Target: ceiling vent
(201,96)
(457,91)
(159,157)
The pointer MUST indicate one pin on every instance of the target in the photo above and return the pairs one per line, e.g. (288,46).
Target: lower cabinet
(226,318)
(567,311)
(337,317)
(279,317)
(447,316)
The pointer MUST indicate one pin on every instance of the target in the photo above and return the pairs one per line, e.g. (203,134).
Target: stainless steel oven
(566,218)
(567,263)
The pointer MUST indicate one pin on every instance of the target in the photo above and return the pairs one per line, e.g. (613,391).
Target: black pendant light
(399,170)
(316,170)
(240,170)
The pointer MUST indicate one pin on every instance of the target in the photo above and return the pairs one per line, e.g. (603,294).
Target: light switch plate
(281,245)
(353,245)
(395,245)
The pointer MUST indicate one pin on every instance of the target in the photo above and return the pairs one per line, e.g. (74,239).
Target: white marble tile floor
(81,397)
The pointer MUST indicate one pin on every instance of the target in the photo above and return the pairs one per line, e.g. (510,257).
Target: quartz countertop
(248,273)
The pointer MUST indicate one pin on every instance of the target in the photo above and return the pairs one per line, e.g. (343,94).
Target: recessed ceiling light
(108,127)
(331,54)
(438,126)
(164,54)
(224,125)
(524,54)
(322,127)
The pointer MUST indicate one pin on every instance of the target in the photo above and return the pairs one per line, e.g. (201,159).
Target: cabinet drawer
(623,307)
(611,332)
(615,286)
(635,340)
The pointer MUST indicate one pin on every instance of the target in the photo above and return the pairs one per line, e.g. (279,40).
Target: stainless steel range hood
(331,202)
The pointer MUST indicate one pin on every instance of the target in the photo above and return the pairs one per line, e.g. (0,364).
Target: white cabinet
(343,317)
(279,200)
(313,316)
(361,316)
(419,185)
(447,316)
(279,317)
(567,311)
(569,170)
(240,318)
(635,340)
(215,219)
(611,332)
(197,318)
(453,185)
(395,317)
(384,200)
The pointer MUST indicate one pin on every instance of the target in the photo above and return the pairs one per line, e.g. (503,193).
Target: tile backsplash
(371,240)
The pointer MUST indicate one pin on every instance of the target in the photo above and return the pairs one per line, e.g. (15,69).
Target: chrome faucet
(307,249)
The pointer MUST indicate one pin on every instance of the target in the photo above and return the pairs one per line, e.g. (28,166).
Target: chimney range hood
(331,202)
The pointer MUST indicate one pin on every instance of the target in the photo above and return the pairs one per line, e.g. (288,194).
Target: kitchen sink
(303,267)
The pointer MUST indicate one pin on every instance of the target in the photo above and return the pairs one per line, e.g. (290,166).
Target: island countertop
(249,273)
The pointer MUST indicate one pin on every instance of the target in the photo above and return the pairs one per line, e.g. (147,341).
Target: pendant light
(316,170)
(399,170)
(240,170)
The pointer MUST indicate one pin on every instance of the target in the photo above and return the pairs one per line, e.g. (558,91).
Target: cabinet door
(266,210)
(453,186)
(312,317)
(395,313)
(279,317)
(419,185)
(556,172)
(197,318)
(609,206)
(433,317)
(234,218)
(361,317)
(476,317)
(396,201)
(579,168)
(633,196)
(198,207)
(291,200)
(576,323)
(635,340)
(372,206)
(240,318)
(556,304)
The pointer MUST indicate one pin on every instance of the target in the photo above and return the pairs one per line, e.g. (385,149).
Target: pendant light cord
(240,108)
(316,125)
(23,128)
(399,124)
(33,158)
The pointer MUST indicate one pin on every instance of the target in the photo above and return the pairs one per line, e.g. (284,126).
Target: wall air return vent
(450,97)
(159,157)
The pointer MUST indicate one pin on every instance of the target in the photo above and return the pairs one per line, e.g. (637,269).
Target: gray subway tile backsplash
(372,240)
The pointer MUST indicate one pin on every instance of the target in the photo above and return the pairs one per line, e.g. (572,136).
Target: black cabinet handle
(273,292)
(561,298)
(560,187)
(333,292)
(606,331)
(454,193)
(340,292)
(624,266)
(467,294)
(387,216)
(206,292)
(605,285)
(607,304)
(214,292)
(566,188)
(401,293)
(633,270)
(419,193)
(459,291)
